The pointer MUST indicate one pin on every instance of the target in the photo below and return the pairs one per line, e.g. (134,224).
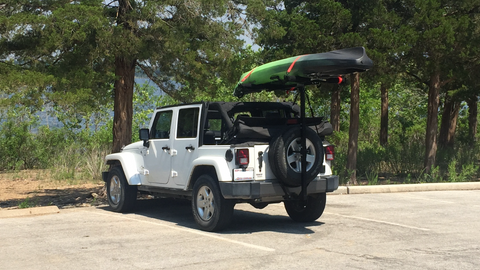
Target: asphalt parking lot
(415,230)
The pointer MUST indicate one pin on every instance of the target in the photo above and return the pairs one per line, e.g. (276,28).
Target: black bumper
(269,189)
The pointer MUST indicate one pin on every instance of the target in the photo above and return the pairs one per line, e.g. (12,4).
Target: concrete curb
(406,188)
(44,210)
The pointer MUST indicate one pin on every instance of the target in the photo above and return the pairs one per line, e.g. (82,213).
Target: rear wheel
(306,211)
(121,196)
(211,211)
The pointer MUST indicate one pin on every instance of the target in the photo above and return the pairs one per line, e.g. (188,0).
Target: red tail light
(330,152)
(242,157)
(292,121)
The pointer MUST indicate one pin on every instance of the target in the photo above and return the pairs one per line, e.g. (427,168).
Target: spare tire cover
(284,156)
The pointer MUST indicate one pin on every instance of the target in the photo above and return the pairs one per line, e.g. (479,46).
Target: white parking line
(379,221)
(428,199)
(202,233)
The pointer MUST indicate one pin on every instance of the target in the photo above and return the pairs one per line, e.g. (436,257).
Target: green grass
(27,203)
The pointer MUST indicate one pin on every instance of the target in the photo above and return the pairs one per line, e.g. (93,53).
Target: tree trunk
(432,121)
(123,86)
(335,109)
(354,124)
(123,102)
(445,123)
(448,125)
(384,116)
(472,118)
(453,125)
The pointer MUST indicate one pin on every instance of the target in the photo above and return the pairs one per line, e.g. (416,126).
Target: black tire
(211,211)
(121,196)
(308,211)
(285,160)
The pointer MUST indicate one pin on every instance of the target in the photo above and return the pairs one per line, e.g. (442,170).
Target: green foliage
(27,203)
(467,172)
(433,177)
(402,158)
(372,177)
(16,141)
(59,56)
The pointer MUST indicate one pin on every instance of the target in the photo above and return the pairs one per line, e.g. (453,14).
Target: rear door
(185,145)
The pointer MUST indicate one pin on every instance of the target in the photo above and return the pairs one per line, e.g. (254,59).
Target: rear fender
(221,166)
(132,165)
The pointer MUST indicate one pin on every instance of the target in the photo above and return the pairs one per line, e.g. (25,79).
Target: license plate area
(243,174)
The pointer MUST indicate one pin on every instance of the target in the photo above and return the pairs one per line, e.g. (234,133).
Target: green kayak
(303,69)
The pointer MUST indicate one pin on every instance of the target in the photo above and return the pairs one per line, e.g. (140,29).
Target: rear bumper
(268,189)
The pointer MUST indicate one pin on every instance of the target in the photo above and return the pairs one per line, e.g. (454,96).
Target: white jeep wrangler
(222,153)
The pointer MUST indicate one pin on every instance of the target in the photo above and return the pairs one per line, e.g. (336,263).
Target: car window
(161,125)
(187,123)
(215,124)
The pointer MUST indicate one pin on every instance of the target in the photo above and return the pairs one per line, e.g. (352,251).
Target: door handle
(166,148)
(190,148)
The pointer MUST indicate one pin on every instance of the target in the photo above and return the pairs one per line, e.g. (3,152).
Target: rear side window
(161,125)
(187,123)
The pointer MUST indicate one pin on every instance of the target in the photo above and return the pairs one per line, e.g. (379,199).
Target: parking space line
(379,221)
(428,199)
(202,233)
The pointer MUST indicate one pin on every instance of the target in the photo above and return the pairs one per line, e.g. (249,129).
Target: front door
(157,158)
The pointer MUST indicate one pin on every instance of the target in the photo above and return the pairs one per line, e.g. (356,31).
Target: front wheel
(211,211)
(121,196)
(306,211)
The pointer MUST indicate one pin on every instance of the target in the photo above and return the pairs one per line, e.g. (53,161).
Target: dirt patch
(34,188)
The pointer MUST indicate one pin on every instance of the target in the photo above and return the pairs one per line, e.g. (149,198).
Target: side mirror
(144,136)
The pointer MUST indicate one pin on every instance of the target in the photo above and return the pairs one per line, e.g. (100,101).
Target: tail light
(330,152)
(242,157)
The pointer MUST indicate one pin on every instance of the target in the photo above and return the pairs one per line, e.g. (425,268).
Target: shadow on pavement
(62,198)
(179,212)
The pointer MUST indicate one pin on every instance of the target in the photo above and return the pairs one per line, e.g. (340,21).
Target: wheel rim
(294,157)
(205,203)
(115,190)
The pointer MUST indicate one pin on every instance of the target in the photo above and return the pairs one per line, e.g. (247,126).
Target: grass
(372,178)
(27,203)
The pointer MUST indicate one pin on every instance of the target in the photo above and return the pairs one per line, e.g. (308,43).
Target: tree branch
(447,81)
(150,74)
(418,78)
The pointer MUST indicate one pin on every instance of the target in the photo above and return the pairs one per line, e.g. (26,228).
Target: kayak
(303,69)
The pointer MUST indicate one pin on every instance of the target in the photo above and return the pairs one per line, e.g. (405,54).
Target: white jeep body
(187,141)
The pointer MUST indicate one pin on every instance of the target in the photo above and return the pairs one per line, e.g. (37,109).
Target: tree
(436,37)
(384,115)
(41,60)
(472,118)
(293,27)
(451,108)
(354,125)
(383,45)
(335,108)
(83,48)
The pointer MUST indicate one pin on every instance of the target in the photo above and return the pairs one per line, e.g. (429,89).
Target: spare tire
(284,156)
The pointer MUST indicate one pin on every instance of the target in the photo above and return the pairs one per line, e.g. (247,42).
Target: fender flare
(131,165)
(217,163)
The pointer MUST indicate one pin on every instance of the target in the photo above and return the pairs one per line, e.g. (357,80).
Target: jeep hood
(305,69)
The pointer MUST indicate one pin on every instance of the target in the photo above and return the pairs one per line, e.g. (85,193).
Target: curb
(406,188)
(44,210)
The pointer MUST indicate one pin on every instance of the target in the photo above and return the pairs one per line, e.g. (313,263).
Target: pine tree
(84,52)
